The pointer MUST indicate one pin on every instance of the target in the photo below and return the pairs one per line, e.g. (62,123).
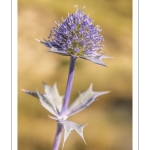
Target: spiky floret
(77,36)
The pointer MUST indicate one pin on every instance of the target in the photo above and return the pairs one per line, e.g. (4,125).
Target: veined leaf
(69,126)
(84,100)
(50,100)
(46,104)
(97,59)
(52,94)
(34,94)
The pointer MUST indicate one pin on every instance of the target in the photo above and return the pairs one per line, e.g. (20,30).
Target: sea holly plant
(75,37)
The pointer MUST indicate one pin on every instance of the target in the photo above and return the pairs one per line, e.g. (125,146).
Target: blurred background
(110,117)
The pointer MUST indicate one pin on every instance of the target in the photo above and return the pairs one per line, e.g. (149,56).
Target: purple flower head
(77,36)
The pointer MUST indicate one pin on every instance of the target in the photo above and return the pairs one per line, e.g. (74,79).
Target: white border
(5,75)
(14,74)
(144,75)
(135,101)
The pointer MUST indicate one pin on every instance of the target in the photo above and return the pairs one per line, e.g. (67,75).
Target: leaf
(50,100)
(46,104)
(34,94)
(84,100)
(53,47)
(97,59)
(52,94)
(43,101)
(68,127)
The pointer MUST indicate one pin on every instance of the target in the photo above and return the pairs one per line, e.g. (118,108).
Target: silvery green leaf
(52,94)
(84,100)
(50,100)
(97,59)
(52,49)
(34,94)
(69,126)
(46,104)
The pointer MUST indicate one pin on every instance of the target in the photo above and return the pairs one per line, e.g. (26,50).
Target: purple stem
(69,85)
(65,102)
(57,137)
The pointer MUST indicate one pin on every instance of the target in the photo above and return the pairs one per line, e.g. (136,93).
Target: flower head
(77,36)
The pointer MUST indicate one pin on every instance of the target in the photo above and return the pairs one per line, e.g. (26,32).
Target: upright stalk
(69,85)
(65,102)
(57,137)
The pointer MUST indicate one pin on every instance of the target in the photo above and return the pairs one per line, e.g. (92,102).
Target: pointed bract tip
(24,90)
(52,117)
(103,56)
(107,92)
(85,125)
(37,40)
(84,141)
(37,92)
(103,92)
(76,6)
(91,86)
(55,85)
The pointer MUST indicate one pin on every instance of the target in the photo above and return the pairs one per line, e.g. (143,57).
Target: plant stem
(69,85)
(65,102)
(57,137)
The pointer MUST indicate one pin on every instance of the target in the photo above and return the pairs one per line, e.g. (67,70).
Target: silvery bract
(52,101)
(84,100)
(69,126)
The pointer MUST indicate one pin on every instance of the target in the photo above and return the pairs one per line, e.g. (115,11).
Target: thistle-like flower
(77,36)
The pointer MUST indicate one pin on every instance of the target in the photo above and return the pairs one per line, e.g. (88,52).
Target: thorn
(37,40)
(24,90)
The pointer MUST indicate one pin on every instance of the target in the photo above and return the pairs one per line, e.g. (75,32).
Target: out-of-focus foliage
(110,117)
